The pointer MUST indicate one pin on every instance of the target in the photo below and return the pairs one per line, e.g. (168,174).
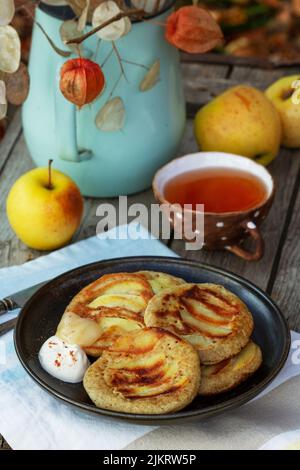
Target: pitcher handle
(66,128)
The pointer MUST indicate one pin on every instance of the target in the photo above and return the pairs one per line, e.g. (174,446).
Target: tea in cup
(236,192)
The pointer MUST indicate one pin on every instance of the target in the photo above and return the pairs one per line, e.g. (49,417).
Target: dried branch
(119,59)
(135,63)
(59,51)
(107,57)
(115,86)
(119,16)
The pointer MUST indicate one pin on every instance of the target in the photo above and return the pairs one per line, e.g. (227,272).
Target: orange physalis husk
(81,81)
(193,30)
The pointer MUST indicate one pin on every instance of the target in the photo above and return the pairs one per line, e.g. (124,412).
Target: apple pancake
(109,307)
(215,321)
(150,371)
(231,372)
(161,281)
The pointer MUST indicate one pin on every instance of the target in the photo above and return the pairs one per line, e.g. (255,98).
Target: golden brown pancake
(231,372)
(161,281)
(112,305)
(215,321)
(149,371)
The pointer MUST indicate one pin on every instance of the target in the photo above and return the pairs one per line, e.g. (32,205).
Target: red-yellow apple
(44,208)
(280,93)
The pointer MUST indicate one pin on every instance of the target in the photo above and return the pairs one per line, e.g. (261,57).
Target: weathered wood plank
(258,77)
(204,82)
(201,82)
(254,62)
(19,163)
(90,220)
(10,139)
(284,285)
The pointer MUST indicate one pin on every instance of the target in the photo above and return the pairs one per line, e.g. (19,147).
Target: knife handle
(7,305)
(7,326)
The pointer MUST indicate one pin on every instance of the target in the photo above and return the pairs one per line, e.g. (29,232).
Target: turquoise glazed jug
(105,164)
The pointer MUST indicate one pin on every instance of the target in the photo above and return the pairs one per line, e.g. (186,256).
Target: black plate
(41,314)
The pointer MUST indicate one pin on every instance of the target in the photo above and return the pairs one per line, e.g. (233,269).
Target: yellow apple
(44,208)
(241,121)
(280,93)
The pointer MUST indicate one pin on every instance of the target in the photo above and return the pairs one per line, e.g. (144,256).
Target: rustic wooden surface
(278,272)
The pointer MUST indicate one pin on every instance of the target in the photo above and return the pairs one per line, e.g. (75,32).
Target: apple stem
(49,186)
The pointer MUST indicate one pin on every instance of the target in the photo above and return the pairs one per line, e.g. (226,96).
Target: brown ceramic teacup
(225,230)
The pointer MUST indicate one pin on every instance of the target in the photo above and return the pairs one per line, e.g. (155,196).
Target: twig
(49,185)
(114,87)
(97,49)
(119,16)
(135,63)
(119,59)
(59,51)
(52,44)
(107,57)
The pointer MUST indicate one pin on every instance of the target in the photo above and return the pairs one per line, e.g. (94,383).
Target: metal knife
(19,299)
(14,301)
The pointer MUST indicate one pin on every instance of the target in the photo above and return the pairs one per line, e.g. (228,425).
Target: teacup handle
(254,232)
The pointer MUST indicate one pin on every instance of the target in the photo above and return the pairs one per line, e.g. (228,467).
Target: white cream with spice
(66,362)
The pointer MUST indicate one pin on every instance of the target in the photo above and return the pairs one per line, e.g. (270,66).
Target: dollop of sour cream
(66,362)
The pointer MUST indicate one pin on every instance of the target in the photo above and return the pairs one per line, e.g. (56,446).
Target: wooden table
(278,272)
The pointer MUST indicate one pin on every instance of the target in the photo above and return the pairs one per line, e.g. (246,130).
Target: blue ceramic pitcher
(105,164)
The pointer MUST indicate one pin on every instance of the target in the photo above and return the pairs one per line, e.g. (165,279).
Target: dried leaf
(3,102)
(128,25)
(17,85)
(111,116)
(59,51)
(7,11)
(67,31)
(151,77)
(115,30)
(10,49)
(2,92)
(83,17)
